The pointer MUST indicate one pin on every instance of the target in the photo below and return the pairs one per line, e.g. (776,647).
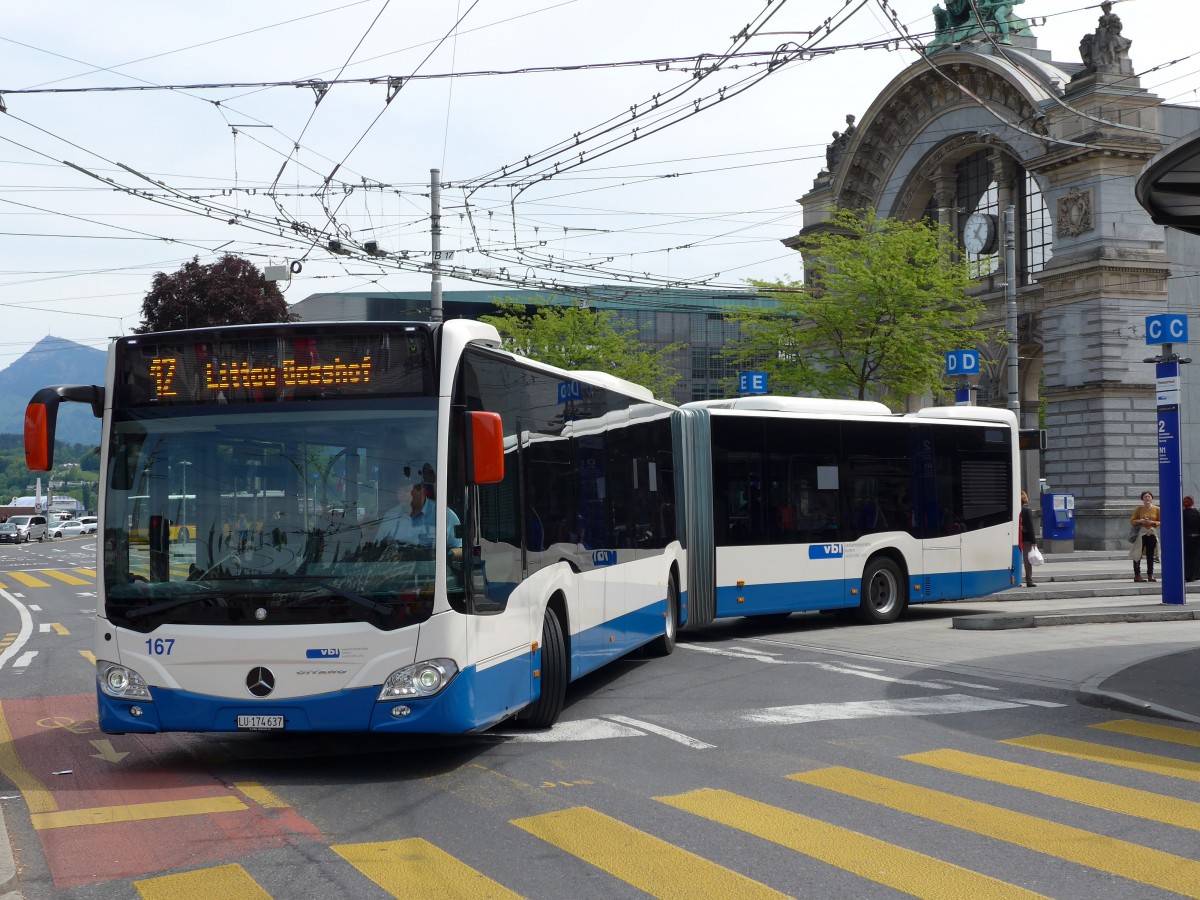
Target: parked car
(10,533)
(69,528)
(31,527)
(89,523)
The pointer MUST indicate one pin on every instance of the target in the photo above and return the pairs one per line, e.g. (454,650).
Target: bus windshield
(305,513)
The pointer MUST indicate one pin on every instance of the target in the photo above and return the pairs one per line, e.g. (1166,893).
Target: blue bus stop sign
(1168,328)
(962,362)
(752,382)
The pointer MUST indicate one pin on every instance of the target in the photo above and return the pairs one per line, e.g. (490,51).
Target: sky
(577,142)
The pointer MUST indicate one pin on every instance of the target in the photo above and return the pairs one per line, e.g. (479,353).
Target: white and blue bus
(803,504)
(552,548)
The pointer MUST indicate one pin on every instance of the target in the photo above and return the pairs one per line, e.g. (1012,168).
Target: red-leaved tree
(230,291)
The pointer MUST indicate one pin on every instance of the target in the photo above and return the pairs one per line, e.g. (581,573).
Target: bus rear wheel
(544,711)
(665,642)
(883,592)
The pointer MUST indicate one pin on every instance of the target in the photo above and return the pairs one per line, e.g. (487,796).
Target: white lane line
(33,607)
(25,659)
(11,651)
(872,709)
(663,732)
(1047,703)
(969,684)
(562,732)
(839,669)
(44,628)
(753,652)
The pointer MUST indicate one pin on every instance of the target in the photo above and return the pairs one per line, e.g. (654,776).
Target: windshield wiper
(141,612)
(318,582)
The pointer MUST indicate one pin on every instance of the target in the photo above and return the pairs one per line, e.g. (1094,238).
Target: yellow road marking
(28,580)
(261,795)
(63,576)
(1114,798)
(646,862)
(1127,860)
(136,812)
(231,881)
(88,655)
(1167,733)
(1113,756)
(37,798)
(89,572)
(59,629)
(878,861)
(416,868)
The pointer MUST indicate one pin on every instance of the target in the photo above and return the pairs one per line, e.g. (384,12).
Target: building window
(1037,232)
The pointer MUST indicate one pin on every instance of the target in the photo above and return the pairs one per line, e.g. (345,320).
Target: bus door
(940,519)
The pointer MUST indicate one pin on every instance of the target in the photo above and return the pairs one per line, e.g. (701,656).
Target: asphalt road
(804,758)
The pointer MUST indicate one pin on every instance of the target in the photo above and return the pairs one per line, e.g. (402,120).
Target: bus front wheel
(883,594)
(544,711)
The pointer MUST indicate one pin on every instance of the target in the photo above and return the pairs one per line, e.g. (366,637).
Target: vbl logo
(604,557)
(825,551)
(323,653)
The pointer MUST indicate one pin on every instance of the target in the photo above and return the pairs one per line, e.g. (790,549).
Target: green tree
(882,303)
(574,337)
(230,291)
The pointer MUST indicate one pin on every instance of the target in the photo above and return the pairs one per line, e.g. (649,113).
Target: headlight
(423,679)
(122,683)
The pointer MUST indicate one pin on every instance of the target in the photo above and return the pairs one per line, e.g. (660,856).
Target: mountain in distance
(49,362)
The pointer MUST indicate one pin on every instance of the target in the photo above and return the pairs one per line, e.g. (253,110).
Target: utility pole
(1010,300)
(435,219)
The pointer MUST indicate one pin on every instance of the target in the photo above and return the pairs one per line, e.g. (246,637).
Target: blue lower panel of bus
(470,703)
(807,596)
(593,647)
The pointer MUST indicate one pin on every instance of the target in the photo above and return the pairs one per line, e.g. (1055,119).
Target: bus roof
(766,403)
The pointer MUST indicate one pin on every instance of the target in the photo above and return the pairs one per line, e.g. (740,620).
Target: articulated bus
(303,596)
(841,506)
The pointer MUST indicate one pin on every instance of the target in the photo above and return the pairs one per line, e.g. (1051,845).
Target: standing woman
(1028,538)
(1146,517)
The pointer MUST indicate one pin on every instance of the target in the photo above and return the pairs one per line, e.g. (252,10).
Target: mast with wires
(435,231)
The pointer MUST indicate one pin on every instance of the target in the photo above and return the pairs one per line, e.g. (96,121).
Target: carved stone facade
(978,127)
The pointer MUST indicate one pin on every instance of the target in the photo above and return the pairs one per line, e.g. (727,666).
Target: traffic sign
(962,362)
(752,382)
(1168,328)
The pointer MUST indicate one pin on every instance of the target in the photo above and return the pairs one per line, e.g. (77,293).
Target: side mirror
(484,434)
(41,419)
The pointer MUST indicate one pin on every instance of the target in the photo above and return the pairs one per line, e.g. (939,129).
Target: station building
(987,119)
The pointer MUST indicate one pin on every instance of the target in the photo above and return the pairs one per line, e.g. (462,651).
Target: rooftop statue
(962,20)
(1106,49)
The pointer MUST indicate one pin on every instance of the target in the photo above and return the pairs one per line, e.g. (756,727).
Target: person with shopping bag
(1028,540)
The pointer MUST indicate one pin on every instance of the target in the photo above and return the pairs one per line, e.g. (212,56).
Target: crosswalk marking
(261,795)
(416,868)
(1167,733)
(26,579)
(648,863)
(65,577)
(91,573)
(136,812)
(231,881)
(1117,857)
(1113,756)
(875,860)
(1087,791)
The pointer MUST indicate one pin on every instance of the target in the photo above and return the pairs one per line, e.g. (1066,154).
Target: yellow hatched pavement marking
(28,580)
(65,577)
(89,572)
(136,812)
(1098,794)
(878,861)
(1166,733)
(37,798)
(416,868)
(1113,756)
(230,882)
(1127,860)
(263,796)
(646,862)
(88,655)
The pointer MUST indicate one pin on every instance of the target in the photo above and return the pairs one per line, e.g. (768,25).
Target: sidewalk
(1164,687)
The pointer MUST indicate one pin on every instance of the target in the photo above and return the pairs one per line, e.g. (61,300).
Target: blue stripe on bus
(807,596)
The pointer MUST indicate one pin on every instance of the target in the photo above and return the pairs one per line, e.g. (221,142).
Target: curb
(1040,620)
(8,865)
(1090,694)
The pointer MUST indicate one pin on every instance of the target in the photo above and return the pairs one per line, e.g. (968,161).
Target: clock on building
(979,234)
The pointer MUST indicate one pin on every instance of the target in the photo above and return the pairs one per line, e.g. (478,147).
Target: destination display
(269,369)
